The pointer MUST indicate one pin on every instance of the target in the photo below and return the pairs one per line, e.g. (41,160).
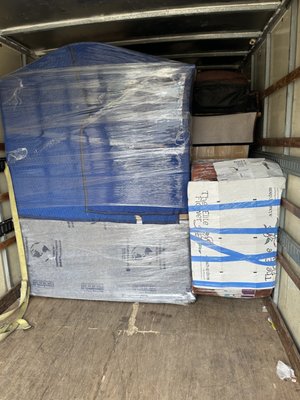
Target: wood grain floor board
(79,350)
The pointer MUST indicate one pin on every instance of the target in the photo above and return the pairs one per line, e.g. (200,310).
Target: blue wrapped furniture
(98,133)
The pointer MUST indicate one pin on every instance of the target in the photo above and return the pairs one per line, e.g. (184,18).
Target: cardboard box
(220,152)
(108,261)
(223,129)
(233,231)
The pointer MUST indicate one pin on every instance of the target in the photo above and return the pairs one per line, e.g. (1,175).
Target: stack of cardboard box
(234,216)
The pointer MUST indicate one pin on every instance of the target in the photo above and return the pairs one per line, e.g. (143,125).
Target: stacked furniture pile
(224,115)
(97,142)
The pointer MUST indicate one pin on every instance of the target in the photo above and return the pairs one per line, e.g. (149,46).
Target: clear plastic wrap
(234,210)
(108,261)
(95,132)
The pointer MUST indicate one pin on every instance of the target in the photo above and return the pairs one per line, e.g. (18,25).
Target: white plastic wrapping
(285,372)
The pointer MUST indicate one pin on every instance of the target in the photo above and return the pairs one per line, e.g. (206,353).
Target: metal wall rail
(292,248)
(289,245)
(289,164)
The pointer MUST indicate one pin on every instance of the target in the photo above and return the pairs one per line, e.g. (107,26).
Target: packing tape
(231,255)
(237,205)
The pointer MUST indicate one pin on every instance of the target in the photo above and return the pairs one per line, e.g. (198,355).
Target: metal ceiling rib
(17,46)
(221,66)
(38,25)
(138,15)
(231,40)
(207,54)
(157,27)
(188,37)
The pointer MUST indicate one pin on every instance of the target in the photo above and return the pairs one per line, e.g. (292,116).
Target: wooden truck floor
(215,349)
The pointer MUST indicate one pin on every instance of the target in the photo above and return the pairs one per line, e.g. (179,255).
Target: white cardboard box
(233,231)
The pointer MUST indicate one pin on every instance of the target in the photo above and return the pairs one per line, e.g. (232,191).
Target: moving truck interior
(209,344)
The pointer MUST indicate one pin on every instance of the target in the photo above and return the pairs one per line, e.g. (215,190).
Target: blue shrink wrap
(94,132)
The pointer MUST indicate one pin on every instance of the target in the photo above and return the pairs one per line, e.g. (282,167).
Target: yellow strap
(15,315)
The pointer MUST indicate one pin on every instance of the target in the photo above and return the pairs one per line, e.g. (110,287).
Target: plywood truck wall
(278,55)
(10,60)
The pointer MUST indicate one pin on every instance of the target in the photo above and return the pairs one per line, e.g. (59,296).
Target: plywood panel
(260,67)
(279,68)
(296,108)
(292,226)
(293,190)
(296,101)
(259,81)
(3,288)
(276,114)
(10,60)
(289,294)
(295,152)
(280,40)
(215,349)
(13,262)
(298,38)
(289,305)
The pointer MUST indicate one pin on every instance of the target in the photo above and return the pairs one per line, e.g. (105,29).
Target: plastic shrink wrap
(95,132)
(108,261)
(234,214)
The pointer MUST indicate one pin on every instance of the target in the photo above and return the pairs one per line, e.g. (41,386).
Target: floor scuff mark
(132,329)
